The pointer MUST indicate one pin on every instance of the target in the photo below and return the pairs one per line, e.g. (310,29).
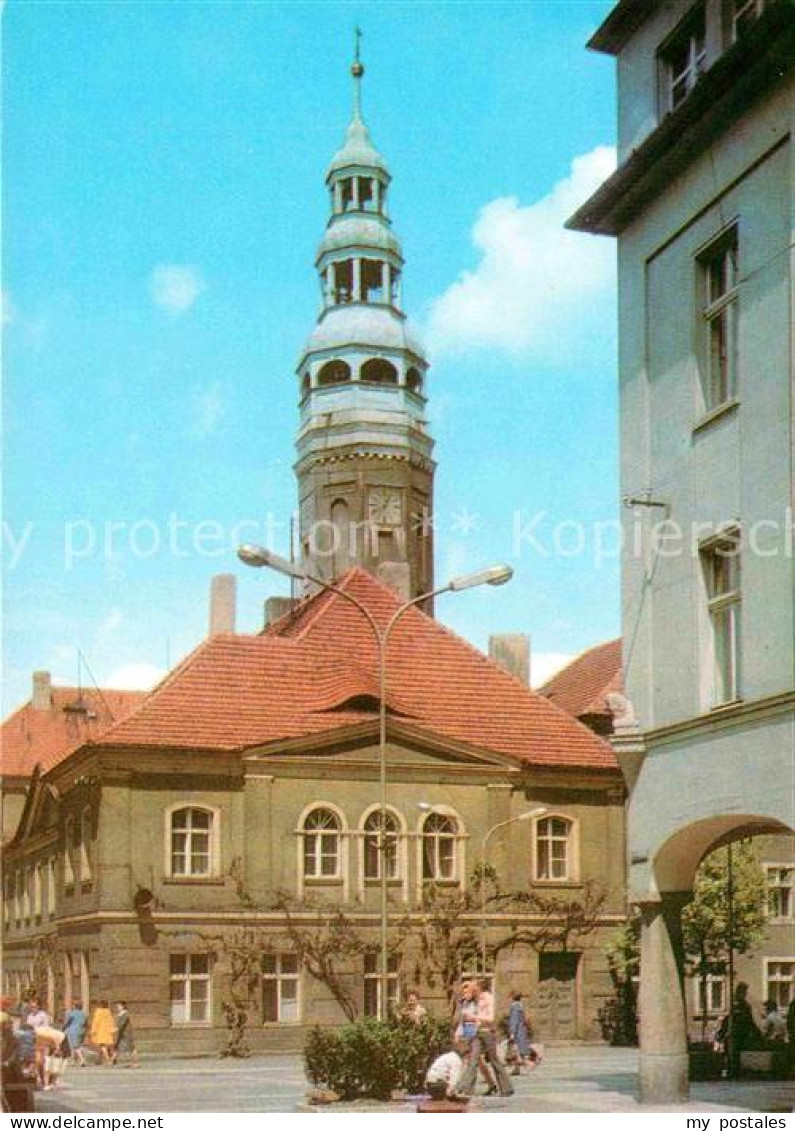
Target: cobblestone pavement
(570,1079)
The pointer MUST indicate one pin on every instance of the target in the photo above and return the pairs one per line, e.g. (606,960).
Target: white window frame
(401,857)
(280,977)
(769,961)
(708,982)
(724,610)
(436,838)
(315,878)
(691,33)
(373,983)
(738,10)
(213,847)
(186,980)
(572,840)
(720,318)
(772,868)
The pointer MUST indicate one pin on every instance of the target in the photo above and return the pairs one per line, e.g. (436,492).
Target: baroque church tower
(364,466)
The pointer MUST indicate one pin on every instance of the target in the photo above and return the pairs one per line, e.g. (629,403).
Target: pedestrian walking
(774,1023)
(75,1026)
(484,1043)
(518,1032)
(738,1031)
(102,1030)
(125,1041)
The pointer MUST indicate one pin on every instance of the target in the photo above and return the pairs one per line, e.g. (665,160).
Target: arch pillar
(663,1063)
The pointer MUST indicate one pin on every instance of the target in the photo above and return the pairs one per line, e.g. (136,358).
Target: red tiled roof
(308,673)
(31,736)
(583,686)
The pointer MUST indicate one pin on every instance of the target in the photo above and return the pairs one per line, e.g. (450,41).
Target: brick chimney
(41,694)
(223,603)
(511,650)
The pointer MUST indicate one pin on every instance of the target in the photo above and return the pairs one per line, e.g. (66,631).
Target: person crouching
(442,1079)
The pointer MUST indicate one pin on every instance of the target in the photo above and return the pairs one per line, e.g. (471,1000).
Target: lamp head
(258,557)
(493,575)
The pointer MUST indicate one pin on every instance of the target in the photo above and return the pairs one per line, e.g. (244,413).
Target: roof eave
(735,81)
(620,25)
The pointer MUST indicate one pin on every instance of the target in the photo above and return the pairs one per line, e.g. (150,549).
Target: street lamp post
(258,557)
(539,812)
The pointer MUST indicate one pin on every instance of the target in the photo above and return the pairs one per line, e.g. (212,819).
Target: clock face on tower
(385,507)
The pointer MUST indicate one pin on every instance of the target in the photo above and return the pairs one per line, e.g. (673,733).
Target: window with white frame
(780,981)
(373,984)
(553,849)
(192,830)
(718,267)
(743,14)
(191,999)
(51,890)
(322,845)
(710,993)
(780,884)
(280,989)
(720,560)
(439,847)
(683,58)
(68,866)
(377,848)
(84,848)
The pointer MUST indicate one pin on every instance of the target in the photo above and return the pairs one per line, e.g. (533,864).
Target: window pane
(289,963)
(199,963)
(178,963)
(199,990)
(200,818)
(269,963)
(178,1002)
(179,820)
(270,1000)
(289,1008)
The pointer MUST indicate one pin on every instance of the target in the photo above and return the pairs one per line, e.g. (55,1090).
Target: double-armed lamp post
(259,557)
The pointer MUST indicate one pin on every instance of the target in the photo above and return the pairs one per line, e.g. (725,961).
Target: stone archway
(663,1062)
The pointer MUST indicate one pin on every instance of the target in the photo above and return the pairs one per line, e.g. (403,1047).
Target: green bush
(374,1058)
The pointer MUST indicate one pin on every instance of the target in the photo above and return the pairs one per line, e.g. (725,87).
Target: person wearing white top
(443,1075)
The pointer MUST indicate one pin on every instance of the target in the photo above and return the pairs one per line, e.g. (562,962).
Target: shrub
(374,1058)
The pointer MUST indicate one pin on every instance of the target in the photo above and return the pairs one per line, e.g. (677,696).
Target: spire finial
(357,70)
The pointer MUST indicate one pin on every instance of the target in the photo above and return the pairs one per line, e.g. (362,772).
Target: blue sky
(163,197)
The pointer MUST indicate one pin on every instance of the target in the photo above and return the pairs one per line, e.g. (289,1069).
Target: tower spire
(357,70)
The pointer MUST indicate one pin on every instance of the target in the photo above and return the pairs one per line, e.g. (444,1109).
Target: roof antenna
(357,70)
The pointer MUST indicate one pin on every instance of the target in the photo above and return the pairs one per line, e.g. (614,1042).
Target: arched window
(414,380)
(439,833)
(553,849)
(341,535)
(378,371)
(322,845)
(192,842)
(373,849)
(68,866)
(334,372)
(306,385)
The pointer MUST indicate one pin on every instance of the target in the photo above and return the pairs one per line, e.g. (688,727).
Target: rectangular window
(38,875)
(718,268)
(780,883)
(710,995)
(191,1001)
(683,59)
(51,896)
(780,981)
(83,849)
(721,564)
(372,983)
(280,985)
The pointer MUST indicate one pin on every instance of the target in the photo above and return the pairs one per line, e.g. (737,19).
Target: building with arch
(702,203)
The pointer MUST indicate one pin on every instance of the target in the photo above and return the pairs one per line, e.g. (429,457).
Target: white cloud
(175,286)
(134,677)
(537,286)
(543,665)
(207,410)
